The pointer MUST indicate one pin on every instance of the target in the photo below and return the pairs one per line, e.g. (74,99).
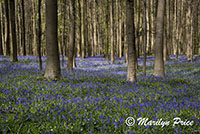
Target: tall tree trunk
(107,31)
(116,28)
(13,57)
(176,31)
(53,62)
(166,56)
(72,36)
(23,30)
(1,43)
(131,75)
(85,24)
(195,36)
(82,29)
(28,24)
(7,27)
(138,33)
(90,39)
(189,30)
(111,32)
(145,38)
(94,29)
(2,9)
(120,30)
(169,42)
(39,35)
(159,62)
(34,25)
(150,27)
(154,7)
(63,32)
(18,27)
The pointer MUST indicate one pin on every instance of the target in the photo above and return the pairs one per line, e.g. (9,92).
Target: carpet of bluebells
(96,98)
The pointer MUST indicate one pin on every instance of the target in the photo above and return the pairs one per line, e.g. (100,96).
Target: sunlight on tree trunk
(13,57)
(159,62)
(131,74)
(53,62)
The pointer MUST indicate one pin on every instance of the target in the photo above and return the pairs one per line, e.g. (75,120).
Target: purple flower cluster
(96,98)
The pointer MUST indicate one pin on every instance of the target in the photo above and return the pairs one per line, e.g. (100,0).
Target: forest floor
(96,98)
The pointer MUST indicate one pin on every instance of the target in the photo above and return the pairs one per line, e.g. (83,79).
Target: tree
(72,36)
(131,76)
(94,28)
(82,28)
(111,32)
(39,35)
(24,28)
(1,48)
(189,30)
(53,62)
(159,62)
(145,38)
(107,31)
(120,30)
(7,28)
(63,31)
(13,57)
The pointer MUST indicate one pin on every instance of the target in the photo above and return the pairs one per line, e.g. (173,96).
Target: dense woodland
(101,27)
(99,66)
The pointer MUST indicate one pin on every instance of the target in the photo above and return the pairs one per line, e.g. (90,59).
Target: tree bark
(85,25)
(159,62)
(145,38)
(1,44)
(53,62)
(131,75)
(72,36)
(28,25)
(150,28)
(107,31)
(7,28)
(120,30)
(13,57)
(63,31)
(39,35)
(82,29)
(111,32)
(94,29)
(189,30)
(23,30)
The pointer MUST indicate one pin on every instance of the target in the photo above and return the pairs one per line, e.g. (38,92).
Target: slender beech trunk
(131,75)
(159,62)
(23,30)
(165,52)
(120,30)
(94,29)
(150,27)
(189,30)
(39,35)
(53,70)
(13,57)
(7,27)
(111,32)
(145,38)
(1,43)
(82,29)
(138,30)
(107,31)
(2,34)
(72,36)
(85,25)
(63,32)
